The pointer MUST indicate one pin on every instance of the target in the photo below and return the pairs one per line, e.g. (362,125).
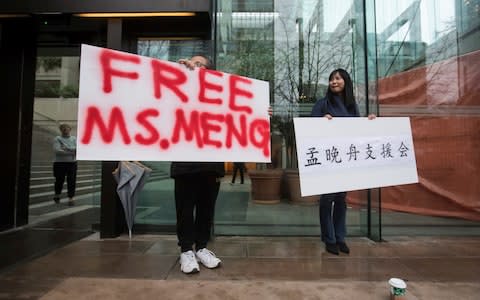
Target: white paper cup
(398,287)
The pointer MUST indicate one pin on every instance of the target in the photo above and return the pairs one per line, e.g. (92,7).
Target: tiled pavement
(253,268)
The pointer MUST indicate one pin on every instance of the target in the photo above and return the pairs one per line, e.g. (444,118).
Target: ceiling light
(14,16)
(136,15)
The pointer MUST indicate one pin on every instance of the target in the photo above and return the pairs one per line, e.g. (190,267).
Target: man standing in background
(65,163)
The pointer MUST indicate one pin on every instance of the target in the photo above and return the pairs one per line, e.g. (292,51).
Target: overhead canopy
(75,6)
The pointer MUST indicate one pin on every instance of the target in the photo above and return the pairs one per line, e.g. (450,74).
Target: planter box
(266,185)
(292,179)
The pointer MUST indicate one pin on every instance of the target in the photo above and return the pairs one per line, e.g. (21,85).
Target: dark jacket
(191,168)
(335,108)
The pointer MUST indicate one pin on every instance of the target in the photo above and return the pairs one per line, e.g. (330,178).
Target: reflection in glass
(428,61)
(56,102)
(293,45)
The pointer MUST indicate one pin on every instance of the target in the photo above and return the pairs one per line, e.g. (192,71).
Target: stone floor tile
(445,268)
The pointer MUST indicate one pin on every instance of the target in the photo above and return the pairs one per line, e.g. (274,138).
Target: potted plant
(291,178)
(266,179)
(266,185)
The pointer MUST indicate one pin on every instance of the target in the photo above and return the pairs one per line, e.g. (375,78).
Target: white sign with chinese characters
(346,154)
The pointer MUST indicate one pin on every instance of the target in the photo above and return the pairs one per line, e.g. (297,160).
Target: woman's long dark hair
(347,93)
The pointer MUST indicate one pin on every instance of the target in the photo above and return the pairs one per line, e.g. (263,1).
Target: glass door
(64,194)
(55,106)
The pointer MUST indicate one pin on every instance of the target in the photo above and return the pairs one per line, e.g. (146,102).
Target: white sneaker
(188,263)
(208,258)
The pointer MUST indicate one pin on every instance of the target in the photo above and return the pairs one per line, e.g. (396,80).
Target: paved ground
(253,268)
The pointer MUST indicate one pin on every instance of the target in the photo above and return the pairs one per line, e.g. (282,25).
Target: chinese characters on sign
(350,155)
(345,154)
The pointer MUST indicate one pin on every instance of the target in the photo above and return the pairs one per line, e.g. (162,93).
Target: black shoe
(331,248)
(56,200)
(343,248)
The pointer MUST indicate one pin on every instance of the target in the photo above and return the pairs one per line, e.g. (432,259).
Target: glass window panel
(55,103)
(428,57)
(294,45)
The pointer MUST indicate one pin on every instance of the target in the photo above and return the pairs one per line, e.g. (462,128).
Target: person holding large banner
(196,188)
(338,102)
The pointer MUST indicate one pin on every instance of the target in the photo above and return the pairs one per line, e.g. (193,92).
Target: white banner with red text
(133,107)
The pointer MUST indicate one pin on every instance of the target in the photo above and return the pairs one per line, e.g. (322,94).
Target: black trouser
(239,168)
(62,169)
(333,212)
(195,197)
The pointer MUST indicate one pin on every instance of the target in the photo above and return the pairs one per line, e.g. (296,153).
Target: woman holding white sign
(338,102)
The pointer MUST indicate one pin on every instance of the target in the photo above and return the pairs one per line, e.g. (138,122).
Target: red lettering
(116,119)
(142,119)
(240,134)
(201,125)
(164,144)
(181,124)
(207,126)
(106,58)
(263,128)
(168,76)
(204,85)
(235,92)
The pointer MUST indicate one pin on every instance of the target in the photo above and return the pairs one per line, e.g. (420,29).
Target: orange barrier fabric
(448,158)
(453,81)
(443,102)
